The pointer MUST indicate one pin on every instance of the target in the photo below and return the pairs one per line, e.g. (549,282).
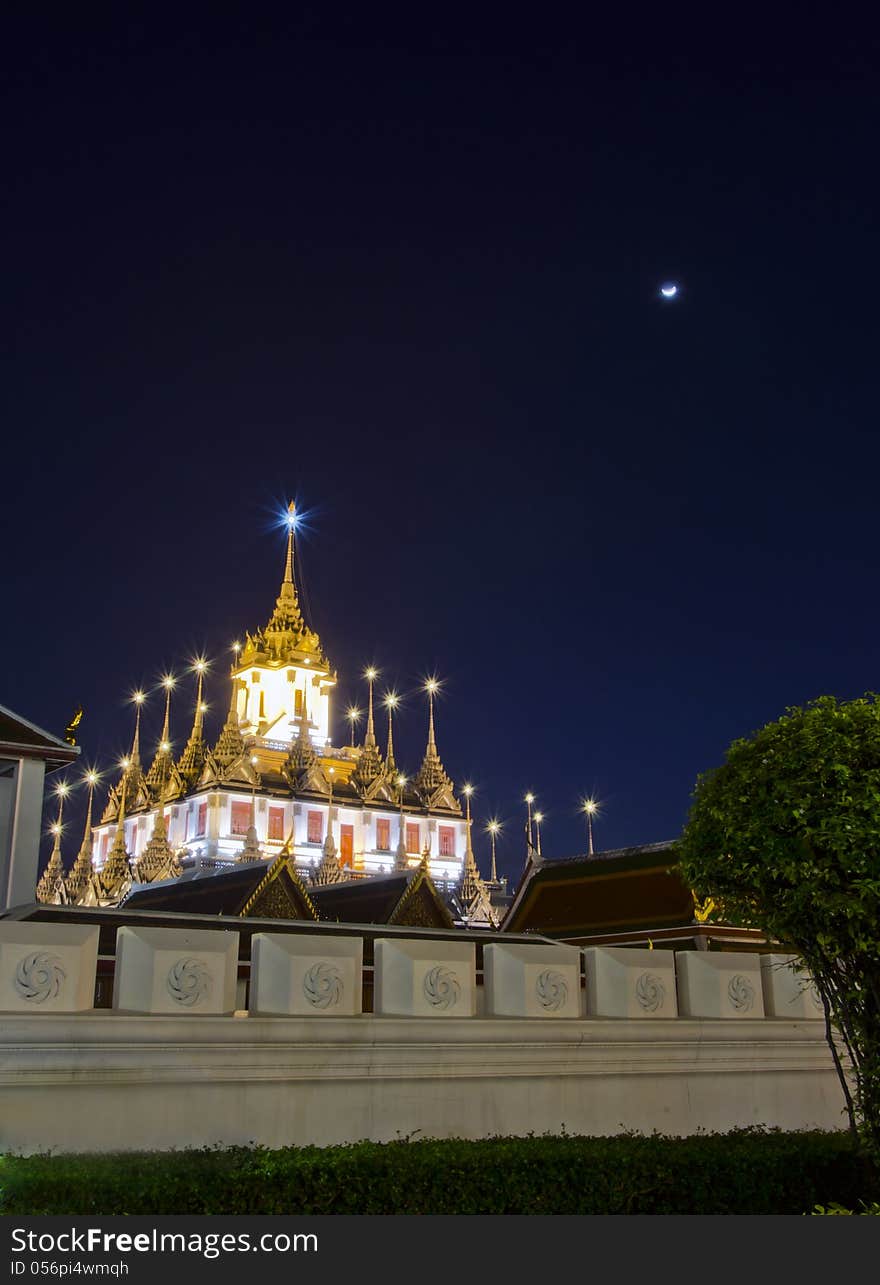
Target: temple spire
(369,765)
(370,738)
(391,702)
(400,857)
(251,850)
(432,775)
(329,869)
(50,888)
(472,893)
(230,742)
(159,861)
(113,880)
(158,773)
(291,523)
(82,869)
(301,755)
(192,760)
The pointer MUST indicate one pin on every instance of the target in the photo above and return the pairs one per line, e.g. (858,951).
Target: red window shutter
(276,823)
(346,845)
(412,837)
(383,834)
(203,818)
(241,818)
(447,841)
(316,827)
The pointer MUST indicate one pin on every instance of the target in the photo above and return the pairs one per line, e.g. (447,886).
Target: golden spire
(113,880)
(230,742)
(158,773)
(132,778)
(432,775)
(301,755)
(291,523)
(401,861)
(472,892)
(159,861)
(251,850)
(391,700)
(82,869)
(371,675)
(50,887)
(329,869)
(286,639)
(192,760)
(369,766)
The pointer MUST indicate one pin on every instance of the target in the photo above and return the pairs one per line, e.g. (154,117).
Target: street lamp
(530,798)
(589,808)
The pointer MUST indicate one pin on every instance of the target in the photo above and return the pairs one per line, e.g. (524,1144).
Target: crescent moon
(669,291)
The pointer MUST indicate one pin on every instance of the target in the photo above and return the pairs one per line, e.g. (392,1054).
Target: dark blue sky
(406,269)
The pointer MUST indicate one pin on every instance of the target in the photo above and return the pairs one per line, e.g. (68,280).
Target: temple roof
(24,738)
(614,891)
(245,890)
(406,897)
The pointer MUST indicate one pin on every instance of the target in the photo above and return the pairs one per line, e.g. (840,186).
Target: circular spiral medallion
(741,993)
(441,987)
(322,985)
(551,989)
(650,992)
(188,982)
(39,977)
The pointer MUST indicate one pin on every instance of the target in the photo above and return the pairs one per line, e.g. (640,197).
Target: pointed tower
(301,756)
(160,768)
(251,850)
(82,869)
(432,775)
(230,742)
(472,892)
(113,880)
(329,869)
(192,760)
(159,860)
(391,702)
(369,766)
(50,888)
(132,782)
(278,663)
(401,861)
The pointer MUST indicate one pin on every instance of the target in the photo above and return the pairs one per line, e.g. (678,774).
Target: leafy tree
(786,836)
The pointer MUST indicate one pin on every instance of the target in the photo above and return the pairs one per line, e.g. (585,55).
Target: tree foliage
(786,834)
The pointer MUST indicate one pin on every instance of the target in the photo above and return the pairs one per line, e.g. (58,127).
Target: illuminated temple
(273,788)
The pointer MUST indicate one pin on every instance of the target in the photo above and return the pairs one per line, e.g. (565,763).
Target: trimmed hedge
(748,1171)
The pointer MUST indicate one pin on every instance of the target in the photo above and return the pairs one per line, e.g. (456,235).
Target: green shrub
(746,1171)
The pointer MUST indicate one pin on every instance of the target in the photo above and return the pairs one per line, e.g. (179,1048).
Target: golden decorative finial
(73,725)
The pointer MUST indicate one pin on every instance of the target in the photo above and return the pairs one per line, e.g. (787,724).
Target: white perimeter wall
(107,1081)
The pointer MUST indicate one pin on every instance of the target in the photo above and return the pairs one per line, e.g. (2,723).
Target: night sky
(405,268)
